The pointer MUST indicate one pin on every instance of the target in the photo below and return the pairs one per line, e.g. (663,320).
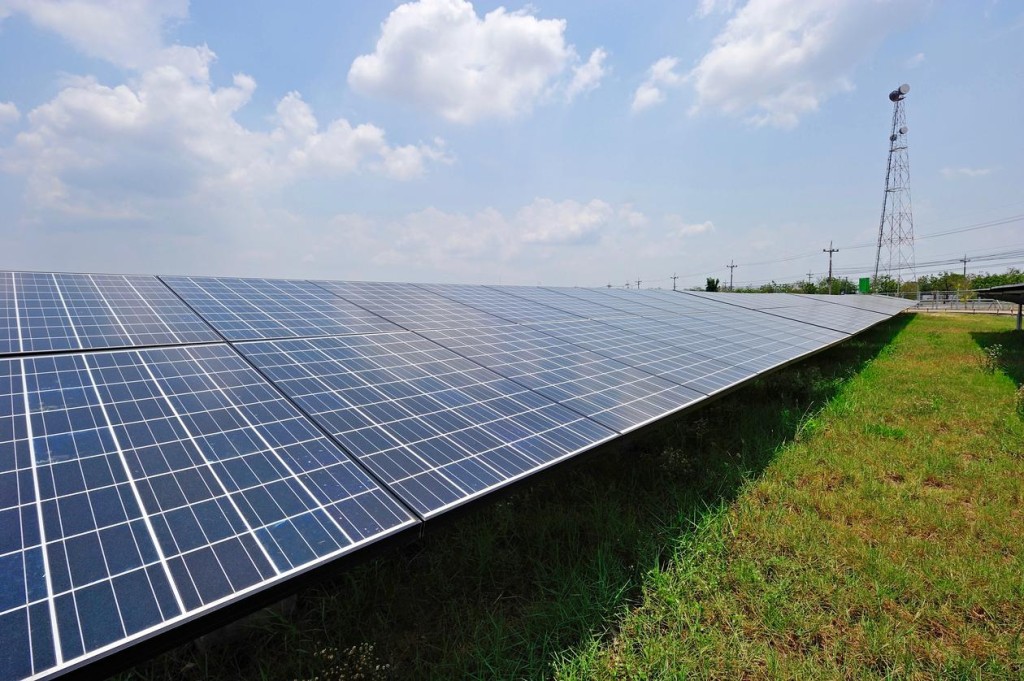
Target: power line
(995,222)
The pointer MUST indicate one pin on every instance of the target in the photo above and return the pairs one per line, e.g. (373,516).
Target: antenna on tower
(896,228)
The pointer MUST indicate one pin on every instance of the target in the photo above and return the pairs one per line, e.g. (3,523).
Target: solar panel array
(172,446)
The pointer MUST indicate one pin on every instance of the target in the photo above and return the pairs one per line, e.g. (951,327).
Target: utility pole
(830,251)
(674,277)
(731,267)
(637,284)
(965,260)
(809,275)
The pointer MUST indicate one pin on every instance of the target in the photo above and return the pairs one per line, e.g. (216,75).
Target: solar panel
(437,428)
(883,304)
(250,309)
(151,473)
(798,308)
(43,321)
(670,301)
(10,332)
(46,312)
(148,486)
(557,299)
(676,300)
(615,394)
(692,360)
(411,307)
(629,304)
(501,303)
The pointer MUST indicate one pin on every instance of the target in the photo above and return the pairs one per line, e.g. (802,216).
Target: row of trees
(946,281)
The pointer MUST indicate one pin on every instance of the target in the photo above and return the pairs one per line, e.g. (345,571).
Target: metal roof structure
(1011,293)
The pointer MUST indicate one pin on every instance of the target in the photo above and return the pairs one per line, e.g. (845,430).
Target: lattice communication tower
(895,258)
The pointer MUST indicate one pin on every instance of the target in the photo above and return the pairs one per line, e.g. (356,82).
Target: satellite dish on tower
(903,130)
(899,93)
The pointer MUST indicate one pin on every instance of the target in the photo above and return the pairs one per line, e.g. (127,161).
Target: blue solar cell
(435,427)
(249,309)
(624,304)
(846,319)
(411,306)
(559,299)
(44,312)
(604,389)
(10,333)
(499,302)
(883,304)
(675,354)
(141,486)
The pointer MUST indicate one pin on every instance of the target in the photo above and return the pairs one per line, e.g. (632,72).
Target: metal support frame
(895,255)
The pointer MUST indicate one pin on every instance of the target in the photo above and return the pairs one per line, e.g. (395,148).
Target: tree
(885,284)
(712,285)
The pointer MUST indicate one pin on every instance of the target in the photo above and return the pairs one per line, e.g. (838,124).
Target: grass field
(856,515)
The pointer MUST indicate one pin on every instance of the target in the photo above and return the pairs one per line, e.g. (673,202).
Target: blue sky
(553,142)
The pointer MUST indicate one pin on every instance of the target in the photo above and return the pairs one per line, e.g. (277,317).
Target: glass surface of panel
(139,488)
(604,389)
(437,428)
(412,307)
(498,302)
(248,309)
(45,312)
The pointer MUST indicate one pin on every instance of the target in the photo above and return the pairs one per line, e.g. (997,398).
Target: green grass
(856,515)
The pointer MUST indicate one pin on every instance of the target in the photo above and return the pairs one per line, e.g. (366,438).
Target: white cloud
(587,76)
(438,54)
(660,75)
(679,228)
(633,218)
(915,61)
(455,242)
(778,60)
(951,173)
(706,8)
(589,239)
(169,133)
(9,113)
(568,222)
(124,32)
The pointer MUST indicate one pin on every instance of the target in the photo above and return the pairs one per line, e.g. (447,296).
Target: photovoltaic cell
(606,390)
(690,360)
(676,301)
(150,474)
(10,333)
(806,310)
(499,302)
(438,429)
(883,304)
(557,299)
(668,301)
(630,305)
(46,312)
(150,485)
(43,321)
(250,309)
(410,306)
